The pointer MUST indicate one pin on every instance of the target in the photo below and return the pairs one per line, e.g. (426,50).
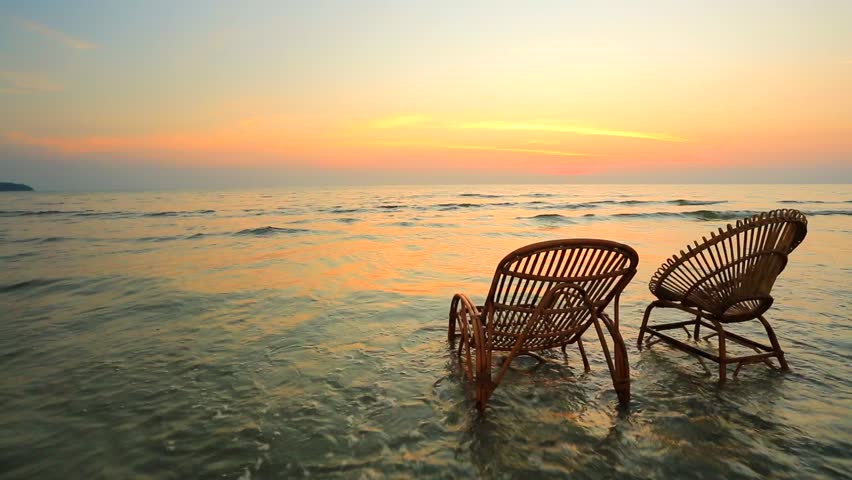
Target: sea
(301,332)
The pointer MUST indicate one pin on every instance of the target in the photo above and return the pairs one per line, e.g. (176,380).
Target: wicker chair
(727,279)
(543,296)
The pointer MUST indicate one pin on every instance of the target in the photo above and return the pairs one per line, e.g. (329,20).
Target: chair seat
(721,309)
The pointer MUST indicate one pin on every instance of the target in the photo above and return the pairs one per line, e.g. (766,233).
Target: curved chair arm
(461,304)
(473,346)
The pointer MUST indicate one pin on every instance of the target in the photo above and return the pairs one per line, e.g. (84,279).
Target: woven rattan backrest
(600,267)
(739,262)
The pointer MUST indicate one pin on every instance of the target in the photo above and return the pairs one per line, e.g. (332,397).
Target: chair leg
(645,322)
(583,354)
(723,365)
(586,367)
(482,380)
(619,369)
(483,384)
(453,317)
(775,345)
(466,356)
(697,329)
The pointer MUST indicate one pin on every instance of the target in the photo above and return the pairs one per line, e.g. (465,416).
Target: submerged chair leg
(697,329)
(482,380)
(723,365)
(619,369)
(483,384)
(451,328)
(583,354)
(645,322)
(775,345)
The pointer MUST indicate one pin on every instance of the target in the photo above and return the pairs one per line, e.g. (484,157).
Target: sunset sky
(101,95)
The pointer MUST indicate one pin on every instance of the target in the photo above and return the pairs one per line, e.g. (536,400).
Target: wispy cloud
(407,121)
(533,151)
(14,82)
(62,38)
(574,129)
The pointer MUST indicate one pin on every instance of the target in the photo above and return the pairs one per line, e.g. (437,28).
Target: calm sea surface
(301,332)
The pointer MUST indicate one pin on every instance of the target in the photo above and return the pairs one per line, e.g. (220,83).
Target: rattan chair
(727,279)
(543,296)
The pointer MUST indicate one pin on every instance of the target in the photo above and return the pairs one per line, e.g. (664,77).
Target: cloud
(55,35)
(422,120)
(534,151)
(14,82)
(579,130)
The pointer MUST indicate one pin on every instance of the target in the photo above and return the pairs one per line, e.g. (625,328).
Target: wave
(35,283)
(26,213)
(96,213)
(179,213)
(679,202)
(480,195)
(828,212)
(719,215)
(160,214)
(703,215)
(549,218)
(456,206)
(42,240)
(598,203)
(271,231)
(695,214)
(812,201)
(564,206)
(682,202)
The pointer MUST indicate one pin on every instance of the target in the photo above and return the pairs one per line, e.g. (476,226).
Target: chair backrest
(733,272)
(602,268)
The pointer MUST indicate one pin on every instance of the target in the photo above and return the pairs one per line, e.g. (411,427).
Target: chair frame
(712,316)
(476,323)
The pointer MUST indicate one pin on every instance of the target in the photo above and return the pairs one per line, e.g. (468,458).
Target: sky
(162,94)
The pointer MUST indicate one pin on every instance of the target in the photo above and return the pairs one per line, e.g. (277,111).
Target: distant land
(15,187)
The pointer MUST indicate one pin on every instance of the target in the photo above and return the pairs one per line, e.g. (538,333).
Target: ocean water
(302,332)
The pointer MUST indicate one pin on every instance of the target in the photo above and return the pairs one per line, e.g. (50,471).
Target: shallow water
(287,333)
